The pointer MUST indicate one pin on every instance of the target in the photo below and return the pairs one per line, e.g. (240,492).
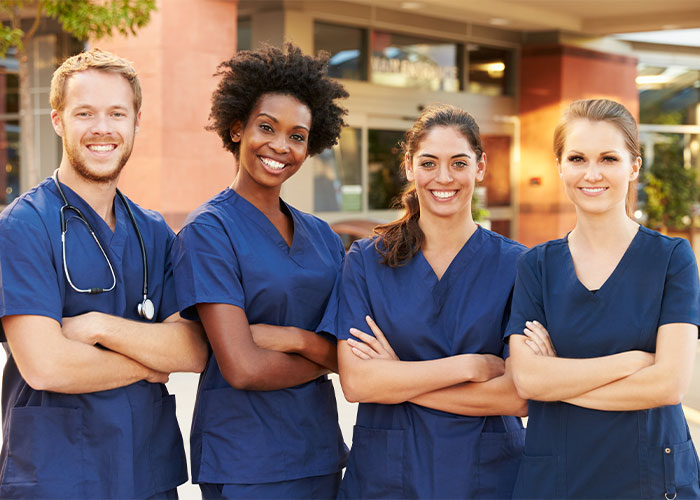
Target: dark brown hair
(602,110)
(397,242)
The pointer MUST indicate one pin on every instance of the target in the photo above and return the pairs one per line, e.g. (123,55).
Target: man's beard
(81,167)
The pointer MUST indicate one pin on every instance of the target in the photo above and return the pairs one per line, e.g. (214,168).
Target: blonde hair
(602,110)
(100,60)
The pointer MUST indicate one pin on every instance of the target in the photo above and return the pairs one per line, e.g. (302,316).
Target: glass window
(409,61)
(338,175)
(668,95)
(244,34)
(489,70)
(385,179)
(9,129)
(347,48)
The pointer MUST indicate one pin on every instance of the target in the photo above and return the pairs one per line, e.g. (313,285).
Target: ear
(636,165)
(559,167)
(56,122)
(408,166)
(481,168)
(235,130)
(138,122)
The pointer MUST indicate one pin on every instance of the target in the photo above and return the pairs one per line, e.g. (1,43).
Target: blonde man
(89,319)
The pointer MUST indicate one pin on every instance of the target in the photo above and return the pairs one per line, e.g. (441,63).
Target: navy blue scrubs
(229,252)
(409,451)
(120,443)
(575,452)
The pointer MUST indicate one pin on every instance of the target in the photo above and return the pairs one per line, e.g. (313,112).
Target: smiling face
(273,143)
(445,169)
(596,166)
(98,123)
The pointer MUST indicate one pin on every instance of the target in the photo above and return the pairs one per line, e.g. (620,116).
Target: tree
(83,19)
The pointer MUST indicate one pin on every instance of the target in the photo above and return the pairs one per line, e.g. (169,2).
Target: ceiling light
(411,5)
(499,21)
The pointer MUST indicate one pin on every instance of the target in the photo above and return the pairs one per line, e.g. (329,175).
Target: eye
(119,114)
(82,114)
(610,159)
(428,164)
(298,137)
(575,159)
(460,164)
(266,127)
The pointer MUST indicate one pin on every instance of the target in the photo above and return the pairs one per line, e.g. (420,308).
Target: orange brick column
(176,164)
(553,76)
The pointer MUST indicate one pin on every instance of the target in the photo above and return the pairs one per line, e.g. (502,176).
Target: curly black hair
(250,74)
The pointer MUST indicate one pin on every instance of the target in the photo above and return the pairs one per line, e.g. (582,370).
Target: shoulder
(31,209)
(659,248)
(149,221)
(213,211)
(316,226)
(539,254)
(505,245)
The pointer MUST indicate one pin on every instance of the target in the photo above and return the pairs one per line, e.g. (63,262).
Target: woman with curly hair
(259,273)
(431,292)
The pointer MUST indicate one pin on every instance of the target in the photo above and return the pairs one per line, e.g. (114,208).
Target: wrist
(299,340)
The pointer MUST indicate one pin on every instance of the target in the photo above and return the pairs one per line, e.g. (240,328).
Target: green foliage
(671,189)
(81,18)
(85,18)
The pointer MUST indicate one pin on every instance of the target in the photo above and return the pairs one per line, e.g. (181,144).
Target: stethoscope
(145,308)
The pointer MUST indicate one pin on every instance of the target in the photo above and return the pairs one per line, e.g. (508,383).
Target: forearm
(497,396)
(265,370)
(548,378)
(290,339)
(171,346)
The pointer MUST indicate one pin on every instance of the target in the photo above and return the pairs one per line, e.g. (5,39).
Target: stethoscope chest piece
(146,309)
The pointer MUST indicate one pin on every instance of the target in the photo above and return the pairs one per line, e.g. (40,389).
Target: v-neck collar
(470,247)
(265,224)
(612,277)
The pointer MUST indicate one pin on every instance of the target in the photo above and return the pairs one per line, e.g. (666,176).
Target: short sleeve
(205,268)
(353,296)
(680,302)
(28,283)
(168,301)
(526,303)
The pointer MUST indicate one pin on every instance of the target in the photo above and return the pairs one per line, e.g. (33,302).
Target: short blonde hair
(100,60)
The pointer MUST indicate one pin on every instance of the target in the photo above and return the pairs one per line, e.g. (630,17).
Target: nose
(593,173)
(279,144)
(101,125)
(444,175)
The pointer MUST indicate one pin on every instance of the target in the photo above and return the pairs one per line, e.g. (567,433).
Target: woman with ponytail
(422,308)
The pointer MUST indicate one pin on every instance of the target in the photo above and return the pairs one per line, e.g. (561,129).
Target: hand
(538,339)
(486,367)
(274,338)
(83,328)
(376,347)
(155,377)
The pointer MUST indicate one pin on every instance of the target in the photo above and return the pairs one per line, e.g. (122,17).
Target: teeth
(443,194)
(100,148)
(593,190)
(272,163)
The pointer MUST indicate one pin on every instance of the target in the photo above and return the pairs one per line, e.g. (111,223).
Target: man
(85,412)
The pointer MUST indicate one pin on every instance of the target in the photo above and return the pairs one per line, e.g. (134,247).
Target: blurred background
(514,64)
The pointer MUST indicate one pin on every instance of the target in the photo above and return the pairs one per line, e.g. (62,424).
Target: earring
(235,137)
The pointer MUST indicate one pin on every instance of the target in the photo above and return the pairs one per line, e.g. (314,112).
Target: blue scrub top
(409,451)
(229,252)
(575,452)
(120,443)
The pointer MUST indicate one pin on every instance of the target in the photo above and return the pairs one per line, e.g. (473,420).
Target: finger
(362,347)
(533,346)
(536,340)
(368,339)
(379,334)
(359,353)
(538,334)
(544,335)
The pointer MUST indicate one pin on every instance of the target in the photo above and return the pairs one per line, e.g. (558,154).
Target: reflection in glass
(489,69)
(347,48)
(337,175)
(668,95)
(9,160)
(385,179)
(409,61)
(244,34)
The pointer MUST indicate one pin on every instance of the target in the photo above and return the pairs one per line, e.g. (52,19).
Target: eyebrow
(277,121)
(428,155)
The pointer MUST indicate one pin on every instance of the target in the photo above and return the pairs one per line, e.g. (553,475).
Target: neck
(99,195)
(265,199)
(447,232)
(604,230)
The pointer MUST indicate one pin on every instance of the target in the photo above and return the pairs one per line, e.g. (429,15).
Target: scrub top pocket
(166,451)
(499,459)
(674,471)
(33,470)
(377,456)
(535,478)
